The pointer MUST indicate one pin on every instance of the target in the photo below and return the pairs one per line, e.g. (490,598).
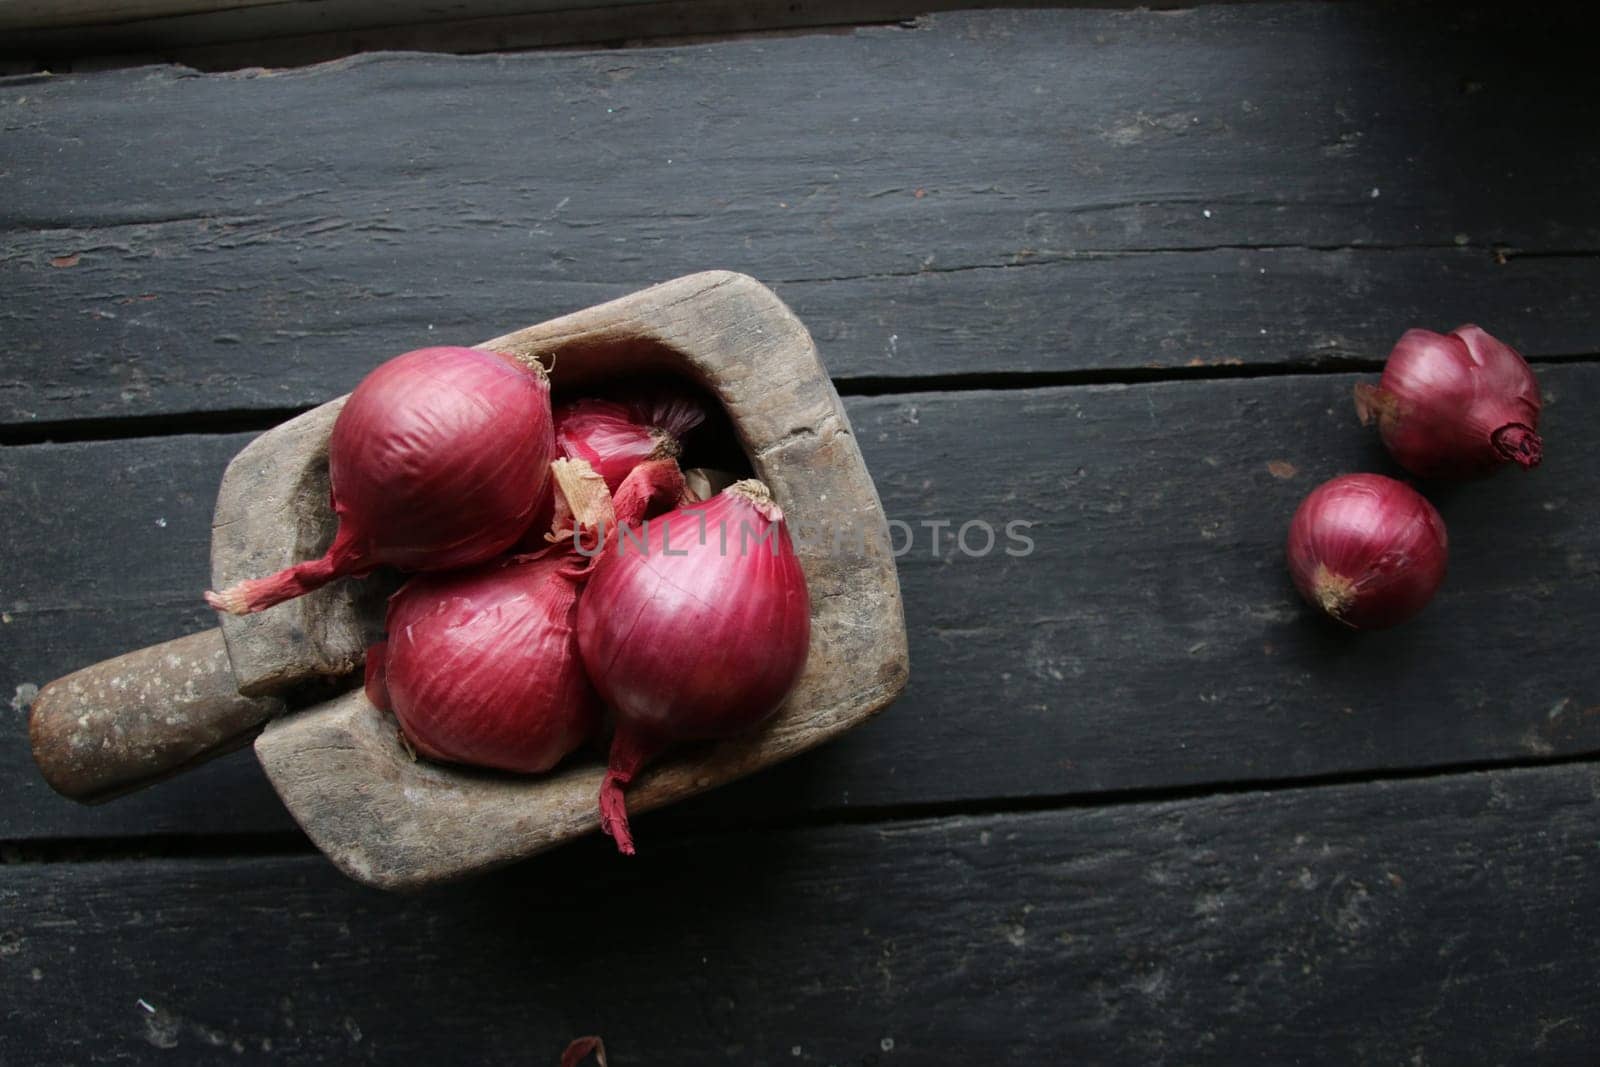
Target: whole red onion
(1455,405)
(614,436)
(1368,550)
(699,632)
(439,459)
(481,666)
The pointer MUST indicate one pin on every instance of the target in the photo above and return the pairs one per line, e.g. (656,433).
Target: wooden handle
(128,722)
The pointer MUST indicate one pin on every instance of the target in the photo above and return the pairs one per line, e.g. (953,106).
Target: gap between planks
(67,431)
(244,846)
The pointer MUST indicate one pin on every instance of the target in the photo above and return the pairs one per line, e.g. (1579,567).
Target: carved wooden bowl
(389,820)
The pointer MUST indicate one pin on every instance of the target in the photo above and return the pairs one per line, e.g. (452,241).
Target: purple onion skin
(605,435)
(1456,405)
(701,645)
(1367,551)
(481,666)
(441,457)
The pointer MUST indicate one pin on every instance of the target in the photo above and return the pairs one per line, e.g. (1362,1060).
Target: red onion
(581,1049)
(482,667)
(698,633)
(1368,550)
(614,436)
(439,459)
(1455,405)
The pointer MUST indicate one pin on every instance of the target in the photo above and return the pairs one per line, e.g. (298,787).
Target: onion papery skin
(701,645)
(615,435)
(688,641)
(1367,551)
(440,459)
(1456,405)
(672,411)
(481,667)
(606,435)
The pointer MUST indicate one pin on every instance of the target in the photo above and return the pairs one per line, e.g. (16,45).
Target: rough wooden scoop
(389,820)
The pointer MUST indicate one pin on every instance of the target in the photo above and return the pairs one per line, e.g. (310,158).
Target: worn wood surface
(225,35)
(1442,921)
(978,216)
(39,14)
(130,721)
(1151,640)
(1092,315)
(108,547)
(1060,244)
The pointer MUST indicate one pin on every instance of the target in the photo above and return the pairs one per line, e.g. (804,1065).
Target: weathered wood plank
(232,265)
(299,14)
(191,338)
(273,33)
(1446,920)
(109,551)
(1151,640)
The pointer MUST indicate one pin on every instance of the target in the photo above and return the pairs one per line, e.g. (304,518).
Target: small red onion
(439,459)
(698,633)
(604,434)
(1367,550)
(614,436)
(581,1049)
(1455,405)
(481,666)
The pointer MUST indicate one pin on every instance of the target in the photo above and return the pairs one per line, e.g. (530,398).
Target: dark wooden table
(1110,272)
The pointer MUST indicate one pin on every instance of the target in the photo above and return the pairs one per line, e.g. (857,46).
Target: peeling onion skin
(440,459)
(694,646)
(614,436)
(605,435)
(1456,405)
(481,667)
(671,410)
(1367,551)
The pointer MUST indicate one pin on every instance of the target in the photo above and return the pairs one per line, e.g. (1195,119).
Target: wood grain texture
(162,256)
(109,543)
(41,14)
(226,35)
(171,350)
(1151,640)
(1441,921)
(129,722)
